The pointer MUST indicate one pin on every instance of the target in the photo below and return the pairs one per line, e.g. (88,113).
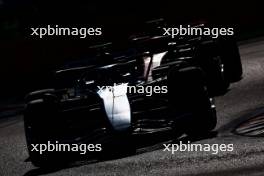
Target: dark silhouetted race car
(156,84)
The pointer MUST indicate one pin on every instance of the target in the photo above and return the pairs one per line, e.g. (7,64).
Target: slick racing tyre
(38,128)
(231,59)
(211,61)
(216,79)
(189,100)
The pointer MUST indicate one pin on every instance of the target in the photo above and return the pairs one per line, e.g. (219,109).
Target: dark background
(26,62)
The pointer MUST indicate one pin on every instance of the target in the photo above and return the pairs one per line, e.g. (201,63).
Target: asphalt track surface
(244,100)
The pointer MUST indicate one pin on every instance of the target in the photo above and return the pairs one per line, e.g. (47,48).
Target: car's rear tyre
(188,98)
(231,59)
(210,60)
(217,82)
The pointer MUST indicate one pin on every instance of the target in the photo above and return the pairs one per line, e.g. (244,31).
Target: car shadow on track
(138,144)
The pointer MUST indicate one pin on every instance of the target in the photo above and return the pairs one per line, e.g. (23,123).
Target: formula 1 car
(154,86)
(100,104)
(218,57)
